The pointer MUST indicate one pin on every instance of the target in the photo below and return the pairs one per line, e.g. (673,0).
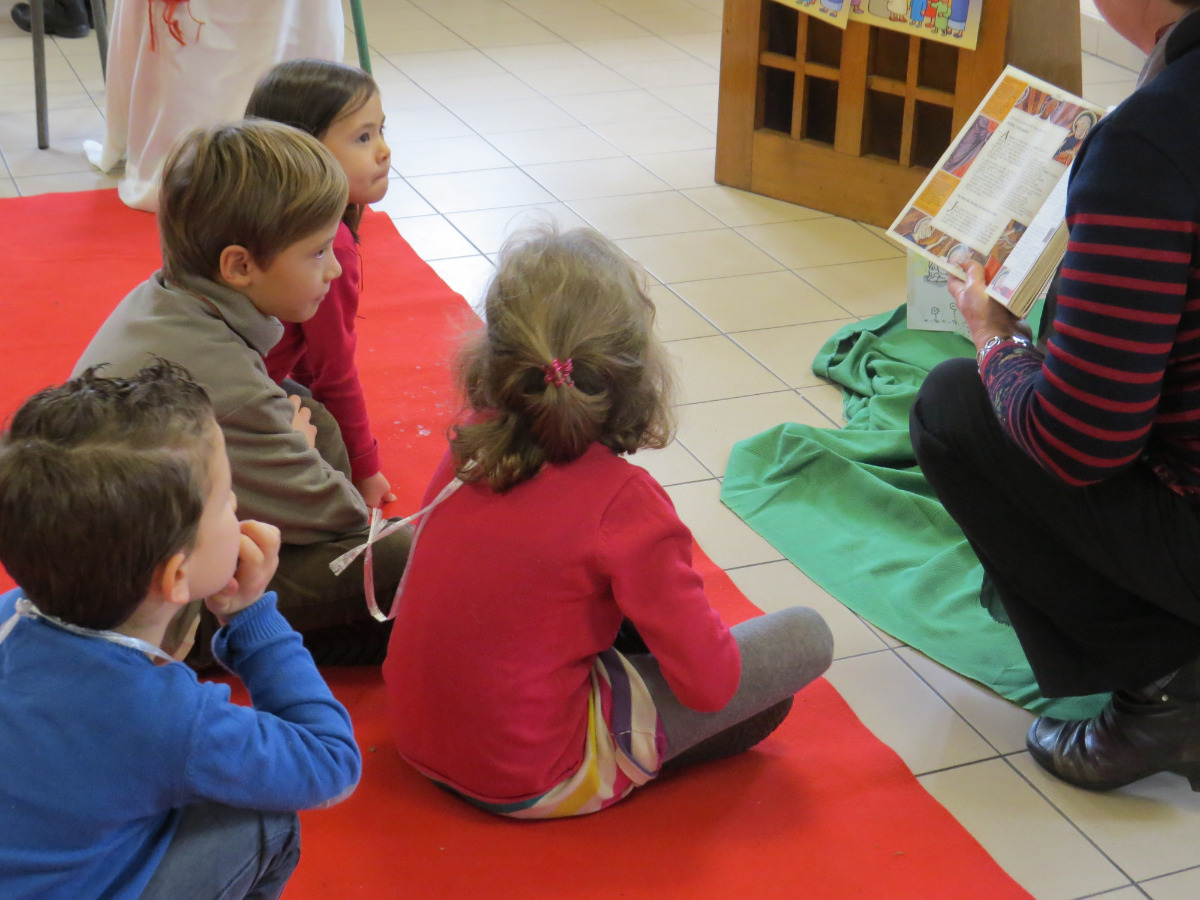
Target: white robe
(155,96)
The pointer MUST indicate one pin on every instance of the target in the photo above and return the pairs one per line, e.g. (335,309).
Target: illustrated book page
(997,174)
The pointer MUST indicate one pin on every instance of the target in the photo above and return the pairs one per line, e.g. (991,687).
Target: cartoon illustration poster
(835,12)
(949,21)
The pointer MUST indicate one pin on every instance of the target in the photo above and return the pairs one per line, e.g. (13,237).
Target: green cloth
(852,509)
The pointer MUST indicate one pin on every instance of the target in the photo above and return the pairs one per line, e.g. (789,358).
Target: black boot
(64,18)
(1138,734)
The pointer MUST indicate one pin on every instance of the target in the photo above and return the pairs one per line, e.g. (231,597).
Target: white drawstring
(339,565)
(26,610)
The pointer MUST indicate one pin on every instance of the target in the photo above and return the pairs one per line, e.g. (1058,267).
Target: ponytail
(568,359)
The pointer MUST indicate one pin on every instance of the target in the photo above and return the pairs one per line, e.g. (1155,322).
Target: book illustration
(968,146)
(835,12)
(1080,127)
(1003,248)
(953,22)
(930,306)
(979,201)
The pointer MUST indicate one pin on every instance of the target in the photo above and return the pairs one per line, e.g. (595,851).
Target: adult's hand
(984,316)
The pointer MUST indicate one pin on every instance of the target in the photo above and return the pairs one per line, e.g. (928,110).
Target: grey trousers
(781,653)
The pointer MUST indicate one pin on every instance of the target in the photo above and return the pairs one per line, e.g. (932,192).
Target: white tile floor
(604,111)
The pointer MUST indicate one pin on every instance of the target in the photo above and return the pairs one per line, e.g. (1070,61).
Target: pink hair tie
(559,373)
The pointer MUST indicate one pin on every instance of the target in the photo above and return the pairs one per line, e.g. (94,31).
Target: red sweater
(509,599)
(319,354)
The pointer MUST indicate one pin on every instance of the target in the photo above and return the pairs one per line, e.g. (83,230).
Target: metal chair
(37,22)
(360,35)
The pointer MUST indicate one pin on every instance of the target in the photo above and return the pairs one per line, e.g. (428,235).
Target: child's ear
(236,266)
(170,579)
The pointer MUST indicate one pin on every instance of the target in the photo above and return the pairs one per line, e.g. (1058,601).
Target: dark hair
(101,480)
(261,185)
(312,94)
(559,297)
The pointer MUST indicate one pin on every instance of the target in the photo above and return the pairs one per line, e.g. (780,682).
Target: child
(503,681)
(248,216)
(340,106)
(124,777)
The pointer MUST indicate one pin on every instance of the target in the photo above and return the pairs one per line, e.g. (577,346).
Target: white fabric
(155,96)
(26,609)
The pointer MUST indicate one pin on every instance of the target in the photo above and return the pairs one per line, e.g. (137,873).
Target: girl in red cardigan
(553,646)
(340,106)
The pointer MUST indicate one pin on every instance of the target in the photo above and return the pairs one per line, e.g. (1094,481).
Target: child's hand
(375,490)
(302,421)
(258,557)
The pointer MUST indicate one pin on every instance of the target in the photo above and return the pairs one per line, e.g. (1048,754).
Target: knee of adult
(948,388)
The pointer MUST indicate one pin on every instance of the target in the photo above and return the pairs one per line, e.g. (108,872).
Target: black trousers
(1101,583)
(328,609)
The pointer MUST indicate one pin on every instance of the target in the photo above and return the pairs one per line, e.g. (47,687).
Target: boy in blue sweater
(125,777)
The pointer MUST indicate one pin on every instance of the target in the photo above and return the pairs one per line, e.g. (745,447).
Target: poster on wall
(835,12)
(953,22)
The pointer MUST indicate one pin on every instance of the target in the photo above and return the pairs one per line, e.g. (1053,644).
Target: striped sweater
(1121,378)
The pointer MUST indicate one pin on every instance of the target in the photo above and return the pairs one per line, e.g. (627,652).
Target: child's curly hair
(560,298)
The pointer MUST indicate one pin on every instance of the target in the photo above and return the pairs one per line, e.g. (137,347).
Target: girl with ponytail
(553,646)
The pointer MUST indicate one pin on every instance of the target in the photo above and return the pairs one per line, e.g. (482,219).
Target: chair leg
(37,22)
(100,18)
(360,35)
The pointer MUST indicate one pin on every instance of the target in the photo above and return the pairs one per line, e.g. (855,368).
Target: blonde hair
(560,298)
(258,184)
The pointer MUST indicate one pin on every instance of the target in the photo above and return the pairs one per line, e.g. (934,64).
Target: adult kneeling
(1075,474)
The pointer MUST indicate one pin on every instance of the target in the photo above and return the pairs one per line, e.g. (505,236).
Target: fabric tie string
(375,533)
(26,610)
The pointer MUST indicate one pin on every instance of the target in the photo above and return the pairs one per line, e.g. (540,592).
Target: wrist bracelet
(995,341)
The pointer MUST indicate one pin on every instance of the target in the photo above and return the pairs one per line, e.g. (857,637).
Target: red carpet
(822,809)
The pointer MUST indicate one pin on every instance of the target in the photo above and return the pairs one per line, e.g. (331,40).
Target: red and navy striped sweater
(1121,380)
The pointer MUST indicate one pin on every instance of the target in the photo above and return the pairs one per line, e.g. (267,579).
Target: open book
(998,194)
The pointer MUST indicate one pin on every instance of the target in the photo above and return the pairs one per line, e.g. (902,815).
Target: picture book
(930,306)
(984,195)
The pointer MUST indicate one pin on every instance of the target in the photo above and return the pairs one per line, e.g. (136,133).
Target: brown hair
(559,297)
(101,480)
(258,184)
(312,94)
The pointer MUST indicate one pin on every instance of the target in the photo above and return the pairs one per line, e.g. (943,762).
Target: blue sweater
(100,749)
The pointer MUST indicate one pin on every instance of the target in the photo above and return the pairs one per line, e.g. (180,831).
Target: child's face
(294,284)
(214,557)
(356,141)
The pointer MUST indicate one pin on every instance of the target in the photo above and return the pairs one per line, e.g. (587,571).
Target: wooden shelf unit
(849,122)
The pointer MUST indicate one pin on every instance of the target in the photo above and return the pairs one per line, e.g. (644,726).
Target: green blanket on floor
(851,508)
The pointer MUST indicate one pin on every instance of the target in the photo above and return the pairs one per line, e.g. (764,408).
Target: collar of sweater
(262,332)
(1184,36)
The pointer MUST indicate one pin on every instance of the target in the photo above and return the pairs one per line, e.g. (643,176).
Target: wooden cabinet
(849,122)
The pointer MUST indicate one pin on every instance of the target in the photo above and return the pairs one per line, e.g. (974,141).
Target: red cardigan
(319,354)
(509,599)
